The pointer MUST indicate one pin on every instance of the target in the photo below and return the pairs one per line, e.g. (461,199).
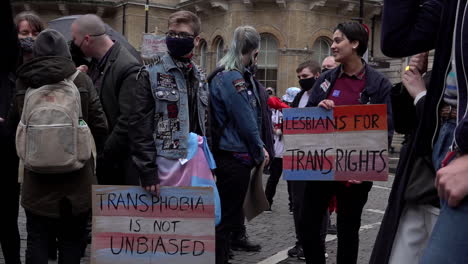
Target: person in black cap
(58,203)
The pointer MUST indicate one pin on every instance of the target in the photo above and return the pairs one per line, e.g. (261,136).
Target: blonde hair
(245,40)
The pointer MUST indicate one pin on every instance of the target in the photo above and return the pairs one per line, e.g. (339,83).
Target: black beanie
(51,43)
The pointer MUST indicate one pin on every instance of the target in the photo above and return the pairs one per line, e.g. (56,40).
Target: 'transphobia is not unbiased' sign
(346,143)
(131,225)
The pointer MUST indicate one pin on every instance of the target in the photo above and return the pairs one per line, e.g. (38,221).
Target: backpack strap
(72,80)
(73,76)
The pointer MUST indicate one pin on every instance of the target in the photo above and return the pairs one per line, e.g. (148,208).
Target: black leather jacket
(129,107)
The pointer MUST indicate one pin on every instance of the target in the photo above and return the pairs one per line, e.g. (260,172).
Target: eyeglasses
(173,34)
(90,35)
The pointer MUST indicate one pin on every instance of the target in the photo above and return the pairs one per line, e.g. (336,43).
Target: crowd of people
(86,111)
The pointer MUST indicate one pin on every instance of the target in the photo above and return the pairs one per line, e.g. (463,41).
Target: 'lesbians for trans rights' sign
(346,143)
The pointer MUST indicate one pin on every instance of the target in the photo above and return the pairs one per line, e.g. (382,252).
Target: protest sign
(346,143)
(132,226)
(153,45)
(255,201)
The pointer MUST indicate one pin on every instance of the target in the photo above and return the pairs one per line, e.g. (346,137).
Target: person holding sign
(353,83)
(180,93)
(237,116)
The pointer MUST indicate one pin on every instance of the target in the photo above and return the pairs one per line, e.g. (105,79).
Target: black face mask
(253,68)
(307,84)
(179,47)
(324,70)
(77,55)
(27,44)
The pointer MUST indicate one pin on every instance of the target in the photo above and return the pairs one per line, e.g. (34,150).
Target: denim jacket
(235,106)
(169,90)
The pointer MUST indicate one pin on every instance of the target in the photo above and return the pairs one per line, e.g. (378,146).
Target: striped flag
(346,143)
(132,226)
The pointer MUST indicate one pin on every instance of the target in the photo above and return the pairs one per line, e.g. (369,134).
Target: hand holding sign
(327,104)
(153,189)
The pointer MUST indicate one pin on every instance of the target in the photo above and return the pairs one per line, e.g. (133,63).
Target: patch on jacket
(171,144)
(239,84)
(325,85)
(172,111)
(166,80)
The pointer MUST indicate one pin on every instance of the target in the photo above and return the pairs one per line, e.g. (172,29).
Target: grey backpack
(51,136)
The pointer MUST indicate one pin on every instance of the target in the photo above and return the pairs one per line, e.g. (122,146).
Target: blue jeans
(449,241)
(443,143)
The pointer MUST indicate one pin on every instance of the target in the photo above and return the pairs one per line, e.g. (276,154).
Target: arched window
(322,49)
(267,72)
(219,50)
(203,54)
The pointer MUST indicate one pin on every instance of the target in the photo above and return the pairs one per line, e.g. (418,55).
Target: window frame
(269,46)
(320,55)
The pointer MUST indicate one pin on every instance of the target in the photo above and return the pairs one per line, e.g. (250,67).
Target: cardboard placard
(153,45)
(255,201)
(132,226)
(346,143)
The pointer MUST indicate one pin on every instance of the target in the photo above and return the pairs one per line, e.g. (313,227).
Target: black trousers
(232,180)
(9,193)
(290,196)
(69,229)
(350,200)
(276,169)
(116,172)
(297,189)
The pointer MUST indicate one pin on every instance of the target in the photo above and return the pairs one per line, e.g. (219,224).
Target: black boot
(241,242)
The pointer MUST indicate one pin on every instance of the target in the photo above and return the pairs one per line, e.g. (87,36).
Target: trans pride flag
(346,143)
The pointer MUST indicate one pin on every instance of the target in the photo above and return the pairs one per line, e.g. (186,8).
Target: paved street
(275,231)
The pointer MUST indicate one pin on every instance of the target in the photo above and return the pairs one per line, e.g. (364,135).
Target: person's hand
(419,61)
(82,68)
(413,81)
(452,181)
(327,104)
(354,182)
(153,189)
(277,131)
(267,156)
